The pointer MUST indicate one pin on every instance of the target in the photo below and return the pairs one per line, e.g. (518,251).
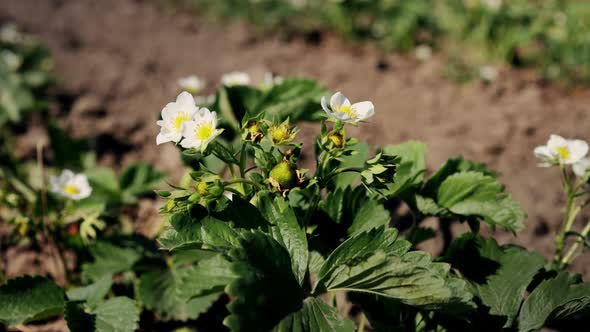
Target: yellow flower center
(280,133)
(204,132)
(347,110)
(563,152)
(180,119)
(71,190)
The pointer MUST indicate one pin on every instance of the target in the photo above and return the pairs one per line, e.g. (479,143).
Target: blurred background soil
(119,61)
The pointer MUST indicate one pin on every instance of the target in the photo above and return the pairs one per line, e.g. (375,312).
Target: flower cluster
(184,122)
(561,151)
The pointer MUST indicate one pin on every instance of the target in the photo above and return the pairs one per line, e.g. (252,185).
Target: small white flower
(71,185)
(192,84)
(235,78)
(174,117)
(341,109)
(581,167)
(561,151)
(423,53)
(200,130)
(488,73)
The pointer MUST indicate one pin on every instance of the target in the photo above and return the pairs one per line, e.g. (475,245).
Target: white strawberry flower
(581,167)
(71,185)
(192,84)
(200,130)
(561,151)
(341,109)
(174,117)
(235,78)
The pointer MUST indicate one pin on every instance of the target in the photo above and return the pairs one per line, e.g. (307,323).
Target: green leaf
(27,299)
(315,315)
(410,172)
(471,194)
(356,159)
(355,210)
(377,262)
(263,267)
(450,167)
(242,214)
(287,232)
(139,179)
(119,314)
(104,184)
(296,99)
(185,233)
(504,290)
(184,292)
(232,103)
(93,293)
(109,259)
(554,300)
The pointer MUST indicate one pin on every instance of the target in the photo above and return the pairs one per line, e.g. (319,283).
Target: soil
(119,61)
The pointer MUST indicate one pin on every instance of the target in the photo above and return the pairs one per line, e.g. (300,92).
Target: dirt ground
(119,61)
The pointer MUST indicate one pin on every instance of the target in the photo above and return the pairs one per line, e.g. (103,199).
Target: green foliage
(474,194)
(314,315)
(263,267)
(26,299)
(554,300)
(94,293)
(183,292)
(119,314)
(377,262)
(24,75)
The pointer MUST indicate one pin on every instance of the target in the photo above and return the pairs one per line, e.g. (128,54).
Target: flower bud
(282,134)
(337,139)
(254,132)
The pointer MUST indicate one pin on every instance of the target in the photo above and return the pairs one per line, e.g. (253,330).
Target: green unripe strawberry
(284,175)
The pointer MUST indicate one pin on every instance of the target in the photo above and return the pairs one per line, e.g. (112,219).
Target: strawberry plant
(259,243)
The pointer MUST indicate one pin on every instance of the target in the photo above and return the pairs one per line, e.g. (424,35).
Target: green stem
(570,255)
(362,322)
(340,171)
(571,211)
(245,181)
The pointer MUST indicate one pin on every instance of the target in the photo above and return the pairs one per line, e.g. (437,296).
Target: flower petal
(325,106)
(169,111)
(185,98)
(363,109)
(543,152)
(581,167)
(578,150)
(338,100)
(556,141)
